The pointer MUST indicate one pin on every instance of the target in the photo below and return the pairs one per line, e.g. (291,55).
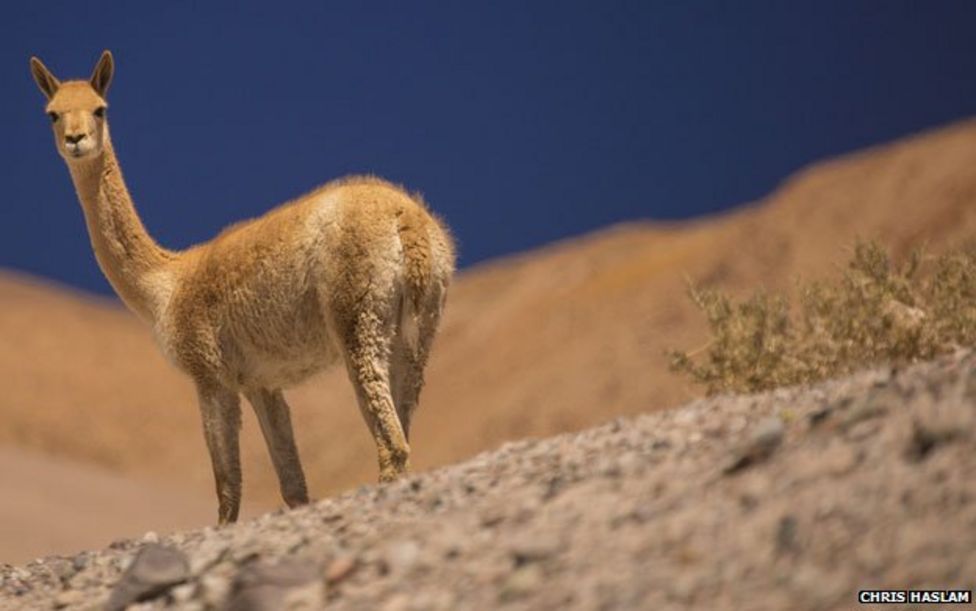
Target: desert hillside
(549,341)
(58,506)
(794,499)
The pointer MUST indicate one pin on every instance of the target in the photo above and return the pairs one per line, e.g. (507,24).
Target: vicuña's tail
(417,255)
(418,269)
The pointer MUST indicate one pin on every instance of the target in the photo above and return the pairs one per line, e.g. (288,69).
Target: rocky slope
(792,499)
(554,340)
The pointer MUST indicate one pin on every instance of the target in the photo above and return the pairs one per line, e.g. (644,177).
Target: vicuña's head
(77,108)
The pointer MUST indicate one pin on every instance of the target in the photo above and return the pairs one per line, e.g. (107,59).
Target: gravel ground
(794,499)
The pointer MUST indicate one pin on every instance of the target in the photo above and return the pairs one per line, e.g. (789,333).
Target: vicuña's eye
(54,116)
(100,112)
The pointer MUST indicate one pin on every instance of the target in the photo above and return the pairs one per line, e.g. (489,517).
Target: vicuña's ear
(101,78)
(45,80)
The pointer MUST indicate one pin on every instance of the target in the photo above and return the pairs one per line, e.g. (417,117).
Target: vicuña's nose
(74,138)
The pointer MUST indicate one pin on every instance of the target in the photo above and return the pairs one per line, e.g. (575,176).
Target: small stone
(449,541)
(104,561)
(62,568)
(861,412)
(340,569)
(150,537)
(287,573)
(183,593)
(68,598)
(309,597)
(154,570)
(397,602)
(926,436)
(862,430)
(493,516)
(628,462)
(786,534)
(763,441)
(206,556)
(521,583)
(120,544)
(841,460)
(818,588)
(156,564)
(661,444)
(819,416)
(214,589)
(737,424)
(260,586)
(683,587)
(535,550)
(402,556)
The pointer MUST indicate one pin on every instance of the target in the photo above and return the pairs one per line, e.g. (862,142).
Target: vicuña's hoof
(391,474)
(226,515)
(296,501)
(394,464)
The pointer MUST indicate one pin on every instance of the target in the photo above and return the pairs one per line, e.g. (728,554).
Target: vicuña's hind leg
(410,360)
(275,420)
(221,412)
(367,351)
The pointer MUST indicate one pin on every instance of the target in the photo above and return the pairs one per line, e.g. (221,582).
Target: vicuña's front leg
(221,412)
(275,420)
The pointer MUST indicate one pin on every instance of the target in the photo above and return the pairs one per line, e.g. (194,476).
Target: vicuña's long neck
(132,261)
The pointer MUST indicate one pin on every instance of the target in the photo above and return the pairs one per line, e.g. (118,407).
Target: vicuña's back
(355,272)
(273,298)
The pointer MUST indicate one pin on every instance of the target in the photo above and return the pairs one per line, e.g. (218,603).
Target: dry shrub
(875,312)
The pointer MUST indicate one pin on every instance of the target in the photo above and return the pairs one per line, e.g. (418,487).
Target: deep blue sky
(521,122)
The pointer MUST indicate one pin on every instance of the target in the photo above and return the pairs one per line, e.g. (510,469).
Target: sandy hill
(553,340)
(58,506)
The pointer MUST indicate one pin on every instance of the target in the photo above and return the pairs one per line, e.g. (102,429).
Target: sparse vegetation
(875,312)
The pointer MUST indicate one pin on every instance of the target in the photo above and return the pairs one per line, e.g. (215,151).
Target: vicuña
(355,271)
